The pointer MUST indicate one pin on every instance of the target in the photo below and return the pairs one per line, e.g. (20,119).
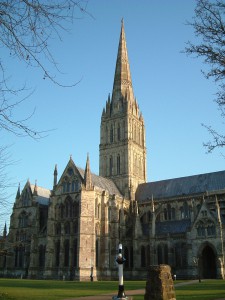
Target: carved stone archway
(208,258)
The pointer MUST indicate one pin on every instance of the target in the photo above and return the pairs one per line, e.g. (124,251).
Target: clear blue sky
(172,93)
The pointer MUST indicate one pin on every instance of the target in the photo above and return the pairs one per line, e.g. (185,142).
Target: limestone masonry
(74,230)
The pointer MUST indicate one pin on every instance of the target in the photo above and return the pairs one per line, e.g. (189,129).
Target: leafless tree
(26,28)
(5,181)
(209,27)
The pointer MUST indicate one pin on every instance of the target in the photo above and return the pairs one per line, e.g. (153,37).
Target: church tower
(122,142)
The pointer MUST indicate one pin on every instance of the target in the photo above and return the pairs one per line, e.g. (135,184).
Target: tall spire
(122,86)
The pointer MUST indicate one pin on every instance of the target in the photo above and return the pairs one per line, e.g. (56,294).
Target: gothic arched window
(160,254)
(111,134)
(23,220)
(169,211)
(75,226)
(75,253)
(126,256)
(106,135)
(57,253)
(66,253)
(58,229)
(67,228)
(97,253)
(41,256)
(110,165)
(118,164)
(118,133)
(143,256)
(68,207)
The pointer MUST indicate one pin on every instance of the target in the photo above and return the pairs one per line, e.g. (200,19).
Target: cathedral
(72,231)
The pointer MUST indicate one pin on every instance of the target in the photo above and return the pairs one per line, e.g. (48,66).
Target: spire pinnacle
(5,231)
(122,80)
(55,176)
(18,192)
(87,174)
(35,188)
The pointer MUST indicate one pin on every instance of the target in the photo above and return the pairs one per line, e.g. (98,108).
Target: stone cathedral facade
(72,232)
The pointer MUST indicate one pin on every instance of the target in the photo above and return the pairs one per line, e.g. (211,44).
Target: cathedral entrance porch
(208,263)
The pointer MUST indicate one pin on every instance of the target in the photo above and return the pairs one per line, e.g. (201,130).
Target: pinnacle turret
(87,175)
(55,176)
(18,192)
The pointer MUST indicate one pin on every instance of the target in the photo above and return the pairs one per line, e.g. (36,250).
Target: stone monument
(159,285)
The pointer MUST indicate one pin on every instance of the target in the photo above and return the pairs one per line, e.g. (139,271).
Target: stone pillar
(159,285)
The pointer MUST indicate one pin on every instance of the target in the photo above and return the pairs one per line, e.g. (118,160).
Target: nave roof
(183,186)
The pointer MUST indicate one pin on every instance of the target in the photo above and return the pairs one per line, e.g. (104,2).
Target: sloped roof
(175,226)
(182,186)
(43,194)
(102,183)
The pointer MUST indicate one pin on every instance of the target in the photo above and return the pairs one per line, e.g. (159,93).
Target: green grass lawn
(17,289)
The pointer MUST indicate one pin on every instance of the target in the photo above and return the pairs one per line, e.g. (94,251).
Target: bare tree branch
(26,28)
(209,26)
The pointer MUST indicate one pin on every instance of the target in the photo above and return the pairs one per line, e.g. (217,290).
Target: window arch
(75,226)
(148,255)
(110,165)
(57,253)
(111,134)
(66,253)
(68,208)
(61,211)
(143,256)
(58,229)
(165,214)
(126,256)
(169,211)
(97,253)
(75,209)
(211,229)
(160,254)
(19,256)
(185,211)
(23,220)
(67,228)
(75,253)
(118,164)
(118,132)
(106,135)
(42,256)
